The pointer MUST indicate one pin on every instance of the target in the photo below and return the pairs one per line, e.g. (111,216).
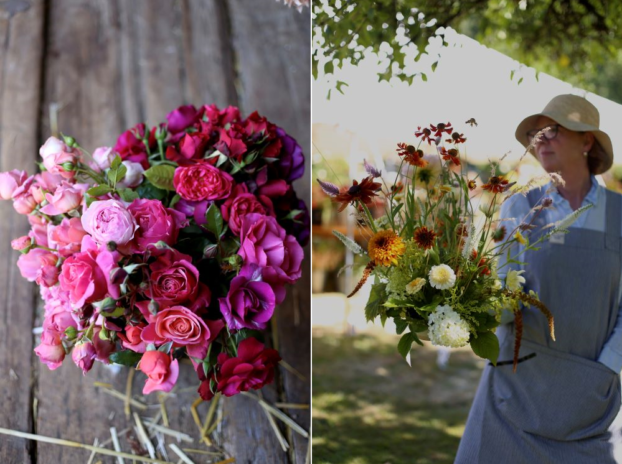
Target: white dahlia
(447,328)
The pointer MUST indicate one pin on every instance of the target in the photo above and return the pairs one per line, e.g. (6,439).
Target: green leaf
(349,243)
(486,321)
(377,297)
(126,358)
(161,176)
(418,325)
(116,162)
(117,311)
(405,344)
(486,345)
(98,191)
(400,326)
(121,172)
(128,195)
(151,192)
(166,348)
(174,201)
(215,223)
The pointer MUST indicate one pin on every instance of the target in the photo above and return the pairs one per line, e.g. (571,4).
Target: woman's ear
(588,141)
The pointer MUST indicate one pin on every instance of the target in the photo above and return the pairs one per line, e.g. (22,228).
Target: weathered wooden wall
(107,65)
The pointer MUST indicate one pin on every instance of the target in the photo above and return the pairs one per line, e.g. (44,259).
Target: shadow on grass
(369,407)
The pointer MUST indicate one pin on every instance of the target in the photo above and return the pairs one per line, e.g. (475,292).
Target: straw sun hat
(575,114)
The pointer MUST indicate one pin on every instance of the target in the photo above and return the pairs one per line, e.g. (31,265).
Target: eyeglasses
(549,132)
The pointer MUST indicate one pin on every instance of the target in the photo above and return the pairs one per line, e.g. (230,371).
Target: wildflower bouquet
(434,256)
(177,242)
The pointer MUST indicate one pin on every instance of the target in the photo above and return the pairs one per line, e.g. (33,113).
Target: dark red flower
(411,155)
(424,237)
(496,184)
(440,128)
(450,155)
(483,263)
(362,192)
(499,234)
(456,138)
(425,134)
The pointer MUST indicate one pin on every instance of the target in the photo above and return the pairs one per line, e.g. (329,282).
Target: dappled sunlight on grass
(370,407)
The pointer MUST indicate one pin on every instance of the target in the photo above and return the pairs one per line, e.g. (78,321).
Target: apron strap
(613,220)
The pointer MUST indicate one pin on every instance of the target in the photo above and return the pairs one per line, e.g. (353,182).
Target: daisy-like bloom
(450,155)
(415,286)
(424,237)
(385,248)
(425,134)
(496,184)
(514,280)
(447,328)
(499,234)
(440,128)
(456,137)
(442,277)
(471,184)
(520,238)
(411,155)
(362,192)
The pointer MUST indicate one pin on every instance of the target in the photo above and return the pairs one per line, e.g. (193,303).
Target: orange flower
(362,192)
(456,137)
(425,134)
(450,155)
(411,155)
(385,248)
(496,184)
(440,128)
(424,237)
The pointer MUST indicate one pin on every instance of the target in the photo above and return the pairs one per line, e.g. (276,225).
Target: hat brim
(605,154)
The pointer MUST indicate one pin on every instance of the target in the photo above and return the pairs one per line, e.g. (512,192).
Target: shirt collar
(591,197)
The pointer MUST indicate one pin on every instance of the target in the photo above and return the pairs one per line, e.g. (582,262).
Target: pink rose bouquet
(179,241)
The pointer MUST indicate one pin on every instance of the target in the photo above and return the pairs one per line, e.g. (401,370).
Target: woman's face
(564,152)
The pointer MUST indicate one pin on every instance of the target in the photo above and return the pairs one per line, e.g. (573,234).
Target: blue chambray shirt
(514,210)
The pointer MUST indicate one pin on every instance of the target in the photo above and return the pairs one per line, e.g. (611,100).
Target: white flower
(447,328)
(514,280)
(442,277)
(415,285)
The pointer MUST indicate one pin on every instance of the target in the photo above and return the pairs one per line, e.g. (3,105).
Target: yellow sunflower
(385,248)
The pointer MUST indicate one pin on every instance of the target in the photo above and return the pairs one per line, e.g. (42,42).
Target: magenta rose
(251,369)
(250,301)
(109,221)
(202,181)
(83,279)
(50,350)
(265,243)
(182,118)
(162,371)
(180,326)
(241,203)
(131,148)
(174,281)
(155,223)
(83,356)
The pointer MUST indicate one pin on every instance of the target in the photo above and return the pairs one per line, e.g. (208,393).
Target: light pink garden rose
(66,237)
(265,243)
(109,221)
(83,355)
(55,153)
(180,326)
(162,372)
(39,265)
(50,350)
(21,243)
(39,229)
(103,157)
(10,181)
(25,204)
(83,279)
(67,197)
(133,176)
(155,223)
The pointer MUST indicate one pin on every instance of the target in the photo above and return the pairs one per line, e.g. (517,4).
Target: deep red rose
(202,181)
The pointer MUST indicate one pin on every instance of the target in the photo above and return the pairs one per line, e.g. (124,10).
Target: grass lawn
(370,407)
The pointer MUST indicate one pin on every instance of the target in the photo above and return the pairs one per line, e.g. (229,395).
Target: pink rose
(66,198)
(182,118)
(39,265)
(155,222)
(274,188)
(21,243)
(25,204)
(83,355)
(55,153)
(9,181)
(133,176)
(241,203)
(39,229)
(182,327)
(66,237)
(161,370)
(58,319)
(132,339)
(103,157)
(82,277)
(175,281)
(109,221)
(265,242)
(103,348)
(50,350)
(202,181)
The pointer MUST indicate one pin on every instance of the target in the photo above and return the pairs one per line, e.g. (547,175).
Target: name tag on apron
(558,239)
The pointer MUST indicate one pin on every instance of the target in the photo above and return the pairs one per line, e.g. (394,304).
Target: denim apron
(559,405)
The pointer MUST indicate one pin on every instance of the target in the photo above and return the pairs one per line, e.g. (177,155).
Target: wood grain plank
(278,83)
(21,36)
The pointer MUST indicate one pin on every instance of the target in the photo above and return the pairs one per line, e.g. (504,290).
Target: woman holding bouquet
(561,403)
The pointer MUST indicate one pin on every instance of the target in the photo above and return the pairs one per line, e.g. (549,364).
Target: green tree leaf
(126,358)
(377,297)
(405,344)
(215,223)
(161,176)
(486,345)
(99,190)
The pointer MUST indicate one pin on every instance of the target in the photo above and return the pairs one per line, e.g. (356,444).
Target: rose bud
(84,356)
